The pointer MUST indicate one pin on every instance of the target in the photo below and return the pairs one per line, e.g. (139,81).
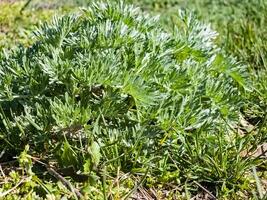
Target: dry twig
(12,189)
(65,182)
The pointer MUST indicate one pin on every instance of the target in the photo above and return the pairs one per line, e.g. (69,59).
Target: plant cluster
(112,97)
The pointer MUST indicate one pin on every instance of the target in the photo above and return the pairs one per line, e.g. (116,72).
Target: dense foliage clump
(110,90)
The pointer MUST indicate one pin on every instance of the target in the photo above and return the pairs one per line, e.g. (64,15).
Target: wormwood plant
(108,90)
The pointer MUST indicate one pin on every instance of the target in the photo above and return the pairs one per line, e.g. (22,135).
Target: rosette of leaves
(109,87)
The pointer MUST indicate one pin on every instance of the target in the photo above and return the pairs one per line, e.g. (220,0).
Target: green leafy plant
(110,90)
